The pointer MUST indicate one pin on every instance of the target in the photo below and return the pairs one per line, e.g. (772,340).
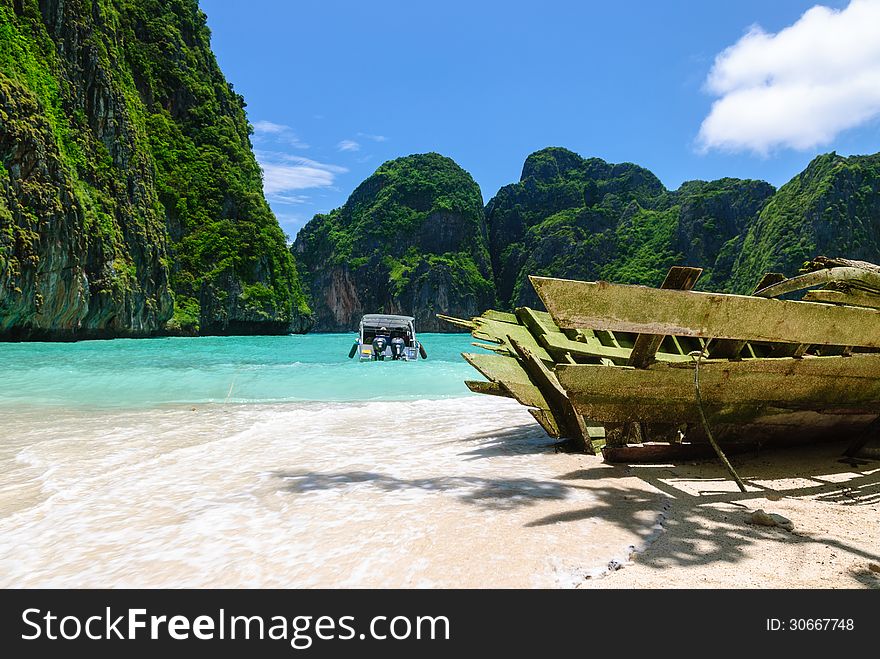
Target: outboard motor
(397,346)
(379,345)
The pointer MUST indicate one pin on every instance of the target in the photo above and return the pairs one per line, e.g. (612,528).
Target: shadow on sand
(488,493)
(521,440)
(708,522)
(703,518)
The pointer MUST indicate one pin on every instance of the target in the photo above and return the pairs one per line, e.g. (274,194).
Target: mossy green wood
(498,332)
(619,307)
(572,425)
(557,344)
(732,392)
(509,373)
(856,277)
(488,388)
(501,316)
(644,350)
(853,298)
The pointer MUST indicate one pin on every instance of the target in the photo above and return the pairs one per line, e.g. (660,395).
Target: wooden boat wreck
(646,374)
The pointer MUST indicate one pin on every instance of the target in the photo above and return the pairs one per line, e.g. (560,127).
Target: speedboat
(387,337)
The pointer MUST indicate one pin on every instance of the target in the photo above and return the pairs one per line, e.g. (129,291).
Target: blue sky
(750,89)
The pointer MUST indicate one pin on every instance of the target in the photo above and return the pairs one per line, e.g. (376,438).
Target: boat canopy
(386,320)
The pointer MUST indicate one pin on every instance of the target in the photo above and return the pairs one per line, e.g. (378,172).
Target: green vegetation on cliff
(225,239)
(131,203)
(415,221)
(410,239)
(588,219)
(127,174)
(831,208)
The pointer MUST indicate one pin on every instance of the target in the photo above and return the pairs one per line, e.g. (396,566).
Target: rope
(697,356)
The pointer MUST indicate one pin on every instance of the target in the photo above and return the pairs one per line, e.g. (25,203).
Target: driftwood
(508,373)
(731,391)
(853,297)
(647,345)
(732,348)
(610,365)
(856,277)
(571,424)
(621,307)
(821,262)
(488,388)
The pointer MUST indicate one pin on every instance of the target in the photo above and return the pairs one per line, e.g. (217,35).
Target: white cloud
(265,131)
(280,178)
(289,199)
(270,128)
(284,173)
(798,88)
(374,138)
(348,145)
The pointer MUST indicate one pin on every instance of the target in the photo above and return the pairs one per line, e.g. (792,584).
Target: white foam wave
(416,493)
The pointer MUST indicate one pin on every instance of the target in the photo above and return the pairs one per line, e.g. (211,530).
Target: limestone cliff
(410,239)
(584,218)
(130,201)
(831,208)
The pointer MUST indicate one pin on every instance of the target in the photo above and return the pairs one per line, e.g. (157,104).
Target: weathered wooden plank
(854,298)
(647,345)
(459,322)
(557,344)
(731,391)
(489,388)
(509,373)
(867,278)
(571,424)
(492,347)
(768,279)
(652,452)
(500,316)
(822,262)
(498,368)
(732,348)
(600,305)
(499,331)
(538,322)
(546,421)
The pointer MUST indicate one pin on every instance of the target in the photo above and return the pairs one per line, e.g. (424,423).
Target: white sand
(455,493)
(707,540)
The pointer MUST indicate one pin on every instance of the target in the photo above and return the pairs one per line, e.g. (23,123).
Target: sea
(279,462)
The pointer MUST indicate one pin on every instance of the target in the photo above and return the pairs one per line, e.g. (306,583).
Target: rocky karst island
(218,435)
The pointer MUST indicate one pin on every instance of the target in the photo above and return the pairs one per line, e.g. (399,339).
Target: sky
(690,90)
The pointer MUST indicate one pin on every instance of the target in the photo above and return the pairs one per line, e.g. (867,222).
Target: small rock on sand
(762,518)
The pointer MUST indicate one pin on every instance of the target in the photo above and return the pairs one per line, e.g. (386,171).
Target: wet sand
(450,493)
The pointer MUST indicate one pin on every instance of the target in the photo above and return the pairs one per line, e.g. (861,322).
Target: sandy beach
(367,495)
(710,541)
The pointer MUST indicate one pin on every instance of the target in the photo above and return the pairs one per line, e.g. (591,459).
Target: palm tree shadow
(486,493)
(520,440)
(712,524)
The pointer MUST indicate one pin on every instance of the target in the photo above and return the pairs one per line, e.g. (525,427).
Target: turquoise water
(152,372)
